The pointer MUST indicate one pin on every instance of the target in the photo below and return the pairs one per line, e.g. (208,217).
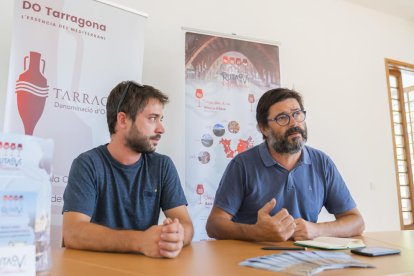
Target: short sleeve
(172,192)
(80,193)
(230,193)
(338,198)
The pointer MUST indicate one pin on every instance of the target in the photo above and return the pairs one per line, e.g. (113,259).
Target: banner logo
(32,91)
(9,158)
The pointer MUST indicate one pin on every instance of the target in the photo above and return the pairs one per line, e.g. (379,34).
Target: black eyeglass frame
(125,92)
(289,116)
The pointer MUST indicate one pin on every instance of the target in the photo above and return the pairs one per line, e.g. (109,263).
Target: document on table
(332,243)
(304,263)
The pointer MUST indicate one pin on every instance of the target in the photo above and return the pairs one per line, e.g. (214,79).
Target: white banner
(224,79)
(66,56)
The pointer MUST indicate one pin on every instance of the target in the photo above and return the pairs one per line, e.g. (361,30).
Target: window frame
(393,68)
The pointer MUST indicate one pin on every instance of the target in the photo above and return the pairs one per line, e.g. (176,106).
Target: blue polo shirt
(253,178)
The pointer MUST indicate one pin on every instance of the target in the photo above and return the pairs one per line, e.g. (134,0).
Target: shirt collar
(268,160)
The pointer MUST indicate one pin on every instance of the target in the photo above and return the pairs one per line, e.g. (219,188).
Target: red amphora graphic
(32,91)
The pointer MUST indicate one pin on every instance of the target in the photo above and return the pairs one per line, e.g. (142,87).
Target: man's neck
(121,153)
(286,160)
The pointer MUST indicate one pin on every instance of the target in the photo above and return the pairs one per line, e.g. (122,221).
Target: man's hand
(164,240)
(171,238)
(347,224)
(279,227)
(150,242)
(305,230)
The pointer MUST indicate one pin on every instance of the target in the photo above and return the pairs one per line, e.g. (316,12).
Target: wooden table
(222,258)
(404,239)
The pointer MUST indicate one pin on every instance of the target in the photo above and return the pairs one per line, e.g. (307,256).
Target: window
(401,97)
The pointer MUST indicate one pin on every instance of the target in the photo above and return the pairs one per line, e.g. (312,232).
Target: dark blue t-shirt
(253,178)
(122,196)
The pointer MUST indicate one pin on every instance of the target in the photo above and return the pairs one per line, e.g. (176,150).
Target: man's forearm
(90,236)
(345,226)
(188,232)
(224,229)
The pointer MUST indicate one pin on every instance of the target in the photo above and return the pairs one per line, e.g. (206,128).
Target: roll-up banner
(66,56)
(224,79)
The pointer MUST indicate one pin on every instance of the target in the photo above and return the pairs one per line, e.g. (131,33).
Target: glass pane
(395,105)
(407,76)
(399,141)
(402,166)
(393,81)
(409,130)
(406,204)
(407,218)
(405,192)
(397,129)
(400,153)
(396,117)
(394,94)
(408,117)
(411,93)
(403,177)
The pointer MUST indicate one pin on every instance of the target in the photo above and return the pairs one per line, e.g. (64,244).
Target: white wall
(6,14)
(331,51)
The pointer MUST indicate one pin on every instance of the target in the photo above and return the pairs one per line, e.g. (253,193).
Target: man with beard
(275,191)
(115,192)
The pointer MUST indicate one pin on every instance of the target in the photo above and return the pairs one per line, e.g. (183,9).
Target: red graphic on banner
(251,101)
(243,145)
(200,190)
(199,95)
(19,148)
(32,91)
(227,149)
(6,145)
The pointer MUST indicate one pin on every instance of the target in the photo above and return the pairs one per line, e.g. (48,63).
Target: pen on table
(283,248)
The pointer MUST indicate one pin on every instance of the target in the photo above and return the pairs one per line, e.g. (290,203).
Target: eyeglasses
(125,92)
(284,119)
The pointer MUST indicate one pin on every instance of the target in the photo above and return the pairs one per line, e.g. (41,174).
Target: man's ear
(121,120)
(263,129)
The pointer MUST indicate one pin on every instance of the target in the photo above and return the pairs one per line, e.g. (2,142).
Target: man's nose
(292,121)
(160,128)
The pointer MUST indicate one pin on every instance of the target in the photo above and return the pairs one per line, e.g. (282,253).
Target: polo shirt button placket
(290,186)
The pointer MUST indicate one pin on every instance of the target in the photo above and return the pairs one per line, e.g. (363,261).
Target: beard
(138,142)
(282,144)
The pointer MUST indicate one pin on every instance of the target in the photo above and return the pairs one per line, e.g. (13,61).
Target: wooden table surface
(223,257)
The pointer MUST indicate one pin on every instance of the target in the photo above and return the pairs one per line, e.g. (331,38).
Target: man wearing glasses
(115,192)
(275,191)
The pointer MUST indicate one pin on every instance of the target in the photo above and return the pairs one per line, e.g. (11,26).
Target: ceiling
(400,8)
